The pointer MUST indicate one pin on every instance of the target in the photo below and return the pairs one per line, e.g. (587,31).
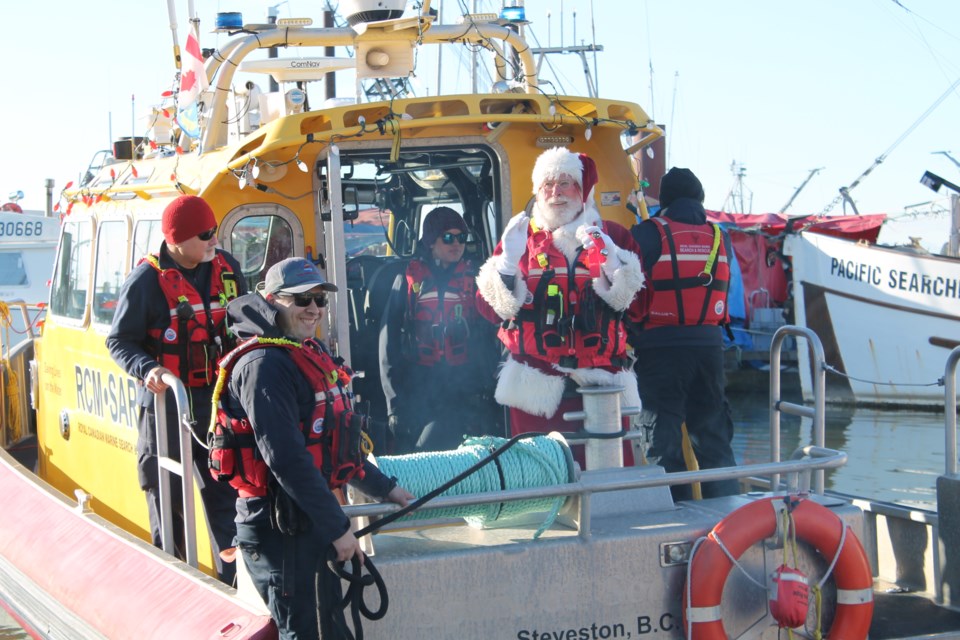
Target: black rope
(333,618)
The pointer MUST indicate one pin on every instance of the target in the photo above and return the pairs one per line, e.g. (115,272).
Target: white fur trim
(491,286)
(522,387)
(554,162)
(630,397)
(627,280)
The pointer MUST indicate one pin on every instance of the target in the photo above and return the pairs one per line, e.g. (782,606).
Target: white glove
(513,243)
(586,237)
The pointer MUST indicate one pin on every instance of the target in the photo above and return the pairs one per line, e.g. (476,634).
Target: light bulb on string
(242,182)
(255,171)
(588,133)
(302,165)
(553,108)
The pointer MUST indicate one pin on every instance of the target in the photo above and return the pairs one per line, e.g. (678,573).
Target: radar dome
(359,11)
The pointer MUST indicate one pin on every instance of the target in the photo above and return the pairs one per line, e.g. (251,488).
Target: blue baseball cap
(295,275)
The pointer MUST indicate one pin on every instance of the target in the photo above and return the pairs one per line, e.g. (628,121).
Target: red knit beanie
(186,217)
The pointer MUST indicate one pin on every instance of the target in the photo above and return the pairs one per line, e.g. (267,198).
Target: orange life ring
(757,521)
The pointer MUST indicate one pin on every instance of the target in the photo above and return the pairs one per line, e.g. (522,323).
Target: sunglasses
(449,238)
(206,235)
(304,299)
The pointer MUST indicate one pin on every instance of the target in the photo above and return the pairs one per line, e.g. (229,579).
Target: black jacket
(267,387)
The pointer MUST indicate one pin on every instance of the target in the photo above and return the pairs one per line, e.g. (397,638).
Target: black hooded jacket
(267,387)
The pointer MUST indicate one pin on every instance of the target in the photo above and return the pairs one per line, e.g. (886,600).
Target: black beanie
(679,183)
(439,221)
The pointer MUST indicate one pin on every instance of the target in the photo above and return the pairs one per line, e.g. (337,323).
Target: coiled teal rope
(535,462)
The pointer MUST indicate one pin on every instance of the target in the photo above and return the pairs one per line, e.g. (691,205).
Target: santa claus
(562,318)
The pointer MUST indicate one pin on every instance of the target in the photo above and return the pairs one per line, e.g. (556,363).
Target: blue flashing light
(513,14)
(229,20)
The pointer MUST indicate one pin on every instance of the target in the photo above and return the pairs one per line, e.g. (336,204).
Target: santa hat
(557,161)
(186,217)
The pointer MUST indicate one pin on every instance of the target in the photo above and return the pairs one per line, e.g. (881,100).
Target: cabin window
(13,272)
(71,278)
(258,243)
(146,239)
(111,254)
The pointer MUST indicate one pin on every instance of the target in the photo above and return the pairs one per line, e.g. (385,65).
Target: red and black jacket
(440,312)
(563,321)
(691,277)
(335,436)
(197,334)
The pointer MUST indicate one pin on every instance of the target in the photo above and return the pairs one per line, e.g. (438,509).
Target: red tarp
(759,253)
(851,227)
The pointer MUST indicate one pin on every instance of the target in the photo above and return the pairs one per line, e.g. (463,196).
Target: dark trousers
(218,498)
(685,384)
(283,569)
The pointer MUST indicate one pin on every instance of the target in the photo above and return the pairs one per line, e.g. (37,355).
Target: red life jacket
(335,436)
(563,321)
(439,314)
(195,338)
(693,265)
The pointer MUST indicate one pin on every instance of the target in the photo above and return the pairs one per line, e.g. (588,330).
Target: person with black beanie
(437,356)
(679,344)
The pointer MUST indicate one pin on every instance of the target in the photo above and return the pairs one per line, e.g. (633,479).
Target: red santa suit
(562,327)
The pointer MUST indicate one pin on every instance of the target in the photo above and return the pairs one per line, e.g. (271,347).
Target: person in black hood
(438,357)
(283,387)
(679,344)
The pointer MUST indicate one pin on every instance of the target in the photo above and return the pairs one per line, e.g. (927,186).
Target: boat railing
(16,422)
(169,467)
(224,65)
(780,406)
(804,461)
(950,410)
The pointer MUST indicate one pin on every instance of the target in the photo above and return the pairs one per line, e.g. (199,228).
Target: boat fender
(715,555)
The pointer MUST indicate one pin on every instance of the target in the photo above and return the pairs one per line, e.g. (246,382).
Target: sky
(765,89)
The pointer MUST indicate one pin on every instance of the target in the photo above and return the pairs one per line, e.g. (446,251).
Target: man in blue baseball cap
(284,397)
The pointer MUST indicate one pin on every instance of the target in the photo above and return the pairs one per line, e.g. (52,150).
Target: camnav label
(107,396)
(604,630)
(895,279)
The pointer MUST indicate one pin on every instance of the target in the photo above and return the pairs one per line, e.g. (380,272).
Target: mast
(813,172)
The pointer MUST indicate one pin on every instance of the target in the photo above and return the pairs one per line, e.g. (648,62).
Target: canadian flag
(193,79)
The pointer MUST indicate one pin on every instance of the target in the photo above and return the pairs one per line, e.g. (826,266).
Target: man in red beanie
(170,318)
(562,324)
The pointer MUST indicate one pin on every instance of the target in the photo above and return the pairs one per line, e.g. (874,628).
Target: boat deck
(899,614)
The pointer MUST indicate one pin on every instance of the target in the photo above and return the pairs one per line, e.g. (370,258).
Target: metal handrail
(950,410)
(778,405)
(167,466)
(813,458)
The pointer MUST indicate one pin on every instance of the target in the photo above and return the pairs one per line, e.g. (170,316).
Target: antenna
(737,190)
(950,157)
(813,172)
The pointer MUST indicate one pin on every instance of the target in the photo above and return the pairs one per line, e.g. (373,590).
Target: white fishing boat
(600,552)
(28,243)
(887,316)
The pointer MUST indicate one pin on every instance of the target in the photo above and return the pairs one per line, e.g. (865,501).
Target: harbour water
(894,456)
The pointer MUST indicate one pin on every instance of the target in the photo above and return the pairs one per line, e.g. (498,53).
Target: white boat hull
(887,318)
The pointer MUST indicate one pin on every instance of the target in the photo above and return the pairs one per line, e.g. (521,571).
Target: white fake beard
(555,215)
